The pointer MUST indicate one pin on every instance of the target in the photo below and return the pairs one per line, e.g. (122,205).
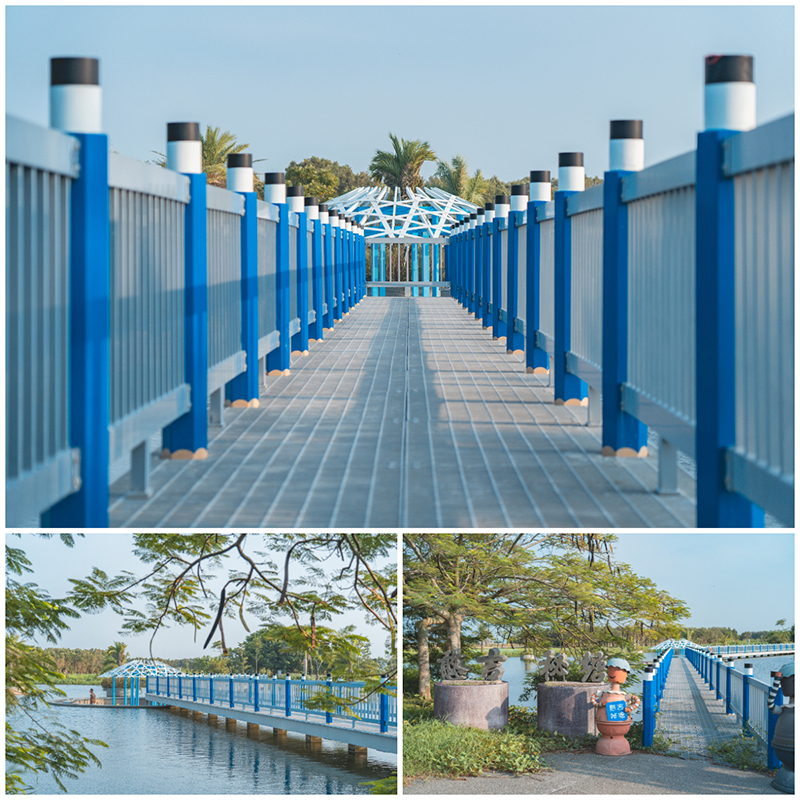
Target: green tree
(115,656)
(400,167)
(325,179)
(454,178)
(543,589)
(35,743)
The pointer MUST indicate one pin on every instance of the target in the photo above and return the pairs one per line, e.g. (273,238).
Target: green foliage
(401,166)
(383,786)
(33,742)
(433,747)
(454,178)
(742,752)
(325,179)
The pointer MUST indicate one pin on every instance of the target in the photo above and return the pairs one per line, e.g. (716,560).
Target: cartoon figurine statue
(614,710)
(783,738)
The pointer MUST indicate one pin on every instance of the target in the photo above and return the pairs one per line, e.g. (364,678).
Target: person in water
(92,697)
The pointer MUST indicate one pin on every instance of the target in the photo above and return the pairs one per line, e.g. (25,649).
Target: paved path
(690,714)
(591,774)
(408,414)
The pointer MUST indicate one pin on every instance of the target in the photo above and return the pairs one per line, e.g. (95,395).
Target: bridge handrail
(282,695)
(572,324)
(41,466)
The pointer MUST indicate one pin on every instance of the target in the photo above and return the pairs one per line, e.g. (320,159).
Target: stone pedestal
(472,704)
(564,707)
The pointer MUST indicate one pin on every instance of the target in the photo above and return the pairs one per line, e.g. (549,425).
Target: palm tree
(400,168)
(454,178)
(115,656)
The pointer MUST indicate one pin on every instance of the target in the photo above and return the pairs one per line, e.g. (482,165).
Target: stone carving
(451,668)
(554,666)
(594,667)
(492,669)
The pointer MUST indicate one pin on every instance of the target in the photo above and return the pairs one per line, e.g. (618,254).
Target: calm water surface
(153,751)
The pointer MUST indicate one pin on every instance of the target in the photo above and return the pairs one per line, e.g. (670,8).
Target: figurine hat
(787,670)
(619,663)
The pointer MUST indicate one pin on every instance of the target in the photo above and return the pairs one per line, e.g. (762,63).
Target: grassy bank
(79,679)
(432,748)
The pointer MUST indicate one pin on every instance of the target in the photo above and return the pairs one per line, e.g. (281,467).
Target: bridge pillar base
(184,712)
(313,742)
(197,714)
(279,733)
(212,719)
(355,750)
(253,730)
(230,724)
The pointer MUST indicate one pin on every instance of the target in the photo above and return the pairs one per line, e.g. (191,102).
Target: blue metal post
(114,690)
(244,387)
(622,434)
(648,708)
(329,684)
(345,269)
(515,342)
(427,272)
(338,233)
(255,695)
(230,691)
(773,762)
(211,690)
(279,360)
(717,506)
(384,709)
(330,282)
(719,669)
(414,270)
(728,671)
(274,684)
(486,278)
(89,293)
(536,359)
(189,433)
(383,269)
(194,688)
(288,696)
(180,687)
(567,387)
(497,274)
(317,267)
(748,671)
(300,339)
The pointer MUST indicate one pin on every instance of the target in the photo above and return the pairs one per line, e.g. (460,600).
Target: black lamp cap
(502,199)
(294,191)
(626,129)
(323,206)
(240,160)
(183,132)
(74,71)
(729,69)
(473,216)
(540,176)
(481,212)
(274,177)
(519,188)
(333,213)
(570,159)
(312,201)
(489,206)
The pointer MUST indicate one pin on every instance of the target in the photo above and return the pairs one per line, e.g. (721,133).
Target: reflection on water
(156,751)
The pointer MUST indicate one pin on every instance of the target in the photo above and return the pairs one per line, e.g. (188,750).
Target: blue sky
(54,563)
(507,87)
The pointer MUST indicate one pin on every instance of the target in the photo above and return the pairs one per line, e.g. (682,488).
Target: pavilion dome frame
(141,667)
(386,213)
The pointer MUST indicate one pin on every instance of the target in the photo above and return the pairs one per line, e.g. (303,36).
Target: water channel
(153,751)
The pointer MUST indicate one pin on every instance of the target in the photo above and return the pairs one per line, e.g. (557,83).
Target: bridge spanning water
(150,316)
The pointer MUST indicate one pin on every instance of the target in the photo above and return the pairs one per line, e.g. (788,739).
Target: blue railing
(653,682)
(742,694)
(613,303)
(139,300)
(280,696)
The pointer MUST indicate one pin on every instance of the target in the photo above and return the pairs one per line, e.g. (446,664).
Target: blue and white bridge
(181,355)
(280,704)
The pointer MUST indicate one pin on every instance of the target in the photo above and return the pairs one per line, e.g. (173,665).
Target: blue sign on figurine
(615,712)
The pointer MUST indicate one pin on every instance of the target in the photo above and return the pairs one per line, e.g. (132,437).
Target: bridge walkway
(690,715)
(408,414)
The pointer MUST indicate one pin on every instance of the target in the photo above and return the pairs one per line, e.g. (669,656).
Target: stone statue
(554,666)
(451,668)
(783,740)
(492,665)
(594,667)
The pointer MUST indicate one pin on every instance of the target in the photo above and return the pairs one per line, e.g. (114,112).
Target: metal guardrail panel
(293,233)
(267,241)
(224,286)
(522,272)
(661,299)
(41,468)
(146,348)
(764,268)
(547,285)
(587,285)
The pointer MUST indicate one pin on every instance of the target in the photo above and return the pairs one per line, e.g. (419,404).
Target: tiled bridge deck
(690,715)
(407,415)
